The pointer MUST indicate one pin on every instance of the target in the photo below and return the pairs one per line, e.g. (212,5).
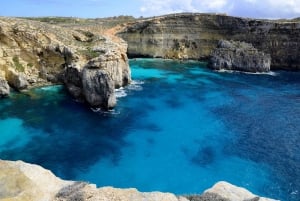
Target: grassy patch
(19,67)
(30,65)
(89,53)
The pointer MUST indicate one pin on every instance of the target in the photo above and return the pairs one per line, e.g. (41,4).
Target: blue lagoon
(179,127)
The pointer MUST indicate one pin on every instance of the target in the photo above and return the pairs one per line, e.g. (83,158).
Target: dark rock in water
(241,56)
(98,88)
(4,88)
(17,80)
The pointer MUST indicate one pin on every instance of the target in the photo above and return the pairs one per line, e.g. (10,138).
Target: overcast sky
(137,8)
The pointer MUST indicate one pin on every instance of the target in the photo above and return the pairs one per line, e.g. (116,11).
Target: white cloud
(246,8)
(158,7)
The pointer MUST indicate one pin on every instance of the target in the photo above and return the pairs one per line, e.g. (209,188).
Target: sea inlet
(179,127)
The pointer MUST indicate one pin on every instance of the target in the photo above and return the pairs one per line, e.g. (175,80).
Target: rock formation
(34,54)
(241,56)
(20,181)
(98,88)
(195,36)
(4,88)
(23,181)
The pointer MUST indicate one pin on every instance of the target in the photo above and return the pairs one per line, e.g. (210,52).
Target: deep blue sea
(179,127)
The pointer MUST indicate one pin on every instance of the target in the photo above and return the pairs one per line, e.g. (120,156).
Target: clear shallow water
(179,128)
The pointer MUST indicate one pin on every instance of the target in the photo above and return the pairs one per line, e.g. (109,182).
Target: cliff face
(23,181)
(34,53)
(241,56)
(195,36)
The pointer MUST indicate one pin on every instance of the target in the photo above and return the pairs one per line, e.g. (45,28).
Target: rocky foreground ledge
(21,181)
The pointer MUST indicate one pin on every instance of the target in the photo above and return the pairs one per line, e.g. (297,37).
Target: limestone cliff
(195,36)
(241,56)
(23,181)
(34,53)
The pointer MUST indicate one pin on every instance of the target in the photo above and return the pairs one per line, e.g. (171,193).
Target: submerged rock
(4,88)
(23,181)
(241,56)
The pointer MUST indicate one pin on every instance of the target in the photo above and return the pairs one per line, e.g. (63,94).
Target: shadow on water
(204,157)
(70,135)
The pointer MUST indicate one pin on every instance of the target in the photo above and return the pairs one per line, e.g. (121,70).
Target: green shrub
(30,65)
(19,67)
(89,53)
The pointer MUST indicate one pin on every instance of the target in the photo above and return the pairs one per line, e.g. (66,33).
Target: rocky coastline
(196,36)
(90,65)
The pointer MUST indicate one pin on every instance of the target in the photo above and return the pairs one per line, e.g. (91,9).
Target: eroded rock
(241,56)
(17,80)
(98,88)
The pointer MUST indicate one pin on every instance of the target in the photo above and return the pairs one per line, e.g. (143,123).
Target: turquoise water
(179,127)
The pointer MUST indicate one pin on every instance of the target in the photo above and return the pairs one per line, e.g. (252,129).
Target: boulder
(21,181)
(224,191)
(240,56)
(17,80)
(4,88)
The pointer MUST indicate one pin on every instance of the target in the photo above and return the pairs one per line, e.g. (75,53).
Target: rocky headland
(239,56)
(23,181)
(89,64)
(196,36)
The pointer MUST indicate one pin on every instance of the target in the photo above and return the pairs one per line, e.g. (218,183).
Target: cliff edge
(195,36)
(34,53)
(23,181)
